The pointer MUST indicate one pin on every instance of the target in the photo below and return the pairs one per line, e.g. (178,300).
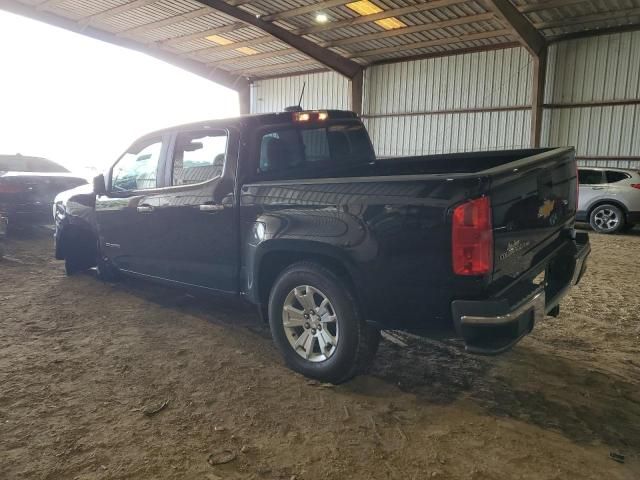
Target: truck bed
(471,163)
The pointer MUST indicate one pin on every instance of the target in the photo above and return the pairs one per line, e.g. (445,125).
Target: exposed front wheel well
(274,263)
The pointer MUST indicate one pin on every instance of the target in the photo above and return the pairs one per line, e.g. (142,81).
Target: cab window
(590,177)
(292,149)
(137,169)
(198,157)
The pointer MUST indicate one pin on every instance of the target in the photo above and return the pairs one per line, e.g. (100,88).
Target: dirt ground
(84,365)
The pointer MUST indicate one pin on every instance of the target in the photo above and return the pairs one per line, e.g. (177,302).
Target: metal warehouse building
(426,76)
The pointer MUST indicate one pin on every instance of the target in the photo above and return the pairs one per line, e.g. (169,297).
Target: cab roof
(254,119)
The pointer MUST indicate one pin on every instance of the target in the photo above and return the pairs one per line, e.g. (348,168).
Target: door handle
(210,207)
(144,208)
(598,188)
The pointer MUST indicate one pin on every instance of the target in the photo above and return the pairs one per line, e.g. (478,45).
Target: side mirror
(99,186)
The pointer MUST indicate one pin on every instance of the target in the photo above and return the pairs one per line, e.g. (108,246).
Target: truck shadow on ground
(526,384)
(544,386)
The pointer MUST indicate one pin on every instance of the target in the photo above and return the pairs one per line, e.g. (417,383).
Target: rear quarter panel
(393,235)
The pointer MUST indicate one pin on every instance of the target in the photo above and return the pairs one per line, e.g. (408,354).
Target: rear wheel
(316,325)
(607,219)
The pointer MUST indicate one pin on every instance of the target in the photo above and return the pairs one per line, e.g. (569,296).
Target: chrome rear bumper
(494,325)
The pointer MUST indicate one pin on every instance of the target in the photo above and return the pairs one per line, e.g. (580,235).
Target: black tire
(78,250)
(607,219)
(72,266)
(105,270)
(357,341)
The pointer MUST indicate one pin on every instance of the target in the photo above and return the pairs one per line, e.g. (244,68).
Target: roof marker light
(310,116)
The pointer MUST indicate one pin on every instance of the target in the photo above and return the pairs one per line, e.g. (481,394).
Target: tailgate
(534,205)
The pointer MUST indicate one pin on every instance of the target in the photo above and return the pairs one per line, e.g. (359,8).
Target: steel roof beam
(326,57)
(528,35)
(431,43)
(483,17)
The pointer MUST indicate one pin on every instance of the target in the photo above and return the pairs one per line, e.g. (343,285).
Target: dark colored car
(293,212)
(28,186)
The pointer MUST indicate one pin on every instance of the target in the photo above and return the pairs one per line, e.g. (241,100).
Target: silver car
(609,198)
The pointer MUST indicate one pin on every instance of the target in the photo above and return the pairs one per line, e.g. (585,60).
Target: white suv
(609,198)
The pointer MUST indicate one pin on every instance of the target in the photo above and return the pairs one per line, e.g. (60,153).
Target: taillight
(472,238)
(636,185)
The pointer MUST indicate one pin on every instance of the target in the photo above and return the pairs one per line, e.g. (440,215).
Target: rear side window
(198,157)
(590,177)
(293,149)
(613,176)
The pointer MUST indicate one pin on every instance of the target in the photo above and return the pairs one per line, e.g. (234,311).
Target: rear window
(19,163)
(590,177)
(613,176)
(293,149)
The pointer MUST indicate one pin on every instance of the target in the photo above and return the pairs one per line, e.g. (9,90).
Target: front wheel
(105,270)
(316,325)
(607,219)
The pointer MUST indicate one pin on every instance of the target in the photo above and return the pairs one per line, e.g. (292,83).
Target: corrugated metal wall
(476,101)
(479,101)
(602,69)
(323,90)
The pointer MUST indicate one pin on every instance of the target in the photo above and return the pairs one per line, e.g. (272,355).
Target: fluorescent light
(247,50)
(390,23)
(322,18)
(365,7)
(219,40)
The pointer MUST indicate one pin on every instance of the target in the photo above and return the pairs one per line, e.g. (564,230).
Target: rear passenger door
(193,218)
(616,184)
(593,186)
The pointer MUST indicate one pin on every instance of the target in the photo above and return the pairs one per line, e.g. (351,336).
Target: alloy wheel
(606,219)
(310,323)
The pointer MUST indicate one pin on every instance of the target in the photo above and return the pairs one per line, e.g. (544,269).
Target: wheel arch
(271,260)
(601,202)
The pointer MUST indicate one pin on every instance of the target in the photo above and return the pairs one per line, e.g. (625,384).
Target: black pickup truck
(293,212)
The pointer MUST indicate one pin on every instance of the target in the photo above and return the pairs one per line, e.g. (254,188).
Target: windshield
(18,163)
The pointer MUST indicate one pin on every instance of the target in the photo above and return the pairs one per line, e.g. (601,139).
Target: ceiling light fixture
(322,17)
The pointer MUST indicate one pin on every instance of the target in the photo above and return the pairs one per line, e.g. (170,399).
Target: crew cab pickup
(293,212)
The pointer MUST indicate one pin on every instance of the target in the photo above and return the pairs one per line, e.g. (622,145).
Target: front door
(123,213)
(193,219)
